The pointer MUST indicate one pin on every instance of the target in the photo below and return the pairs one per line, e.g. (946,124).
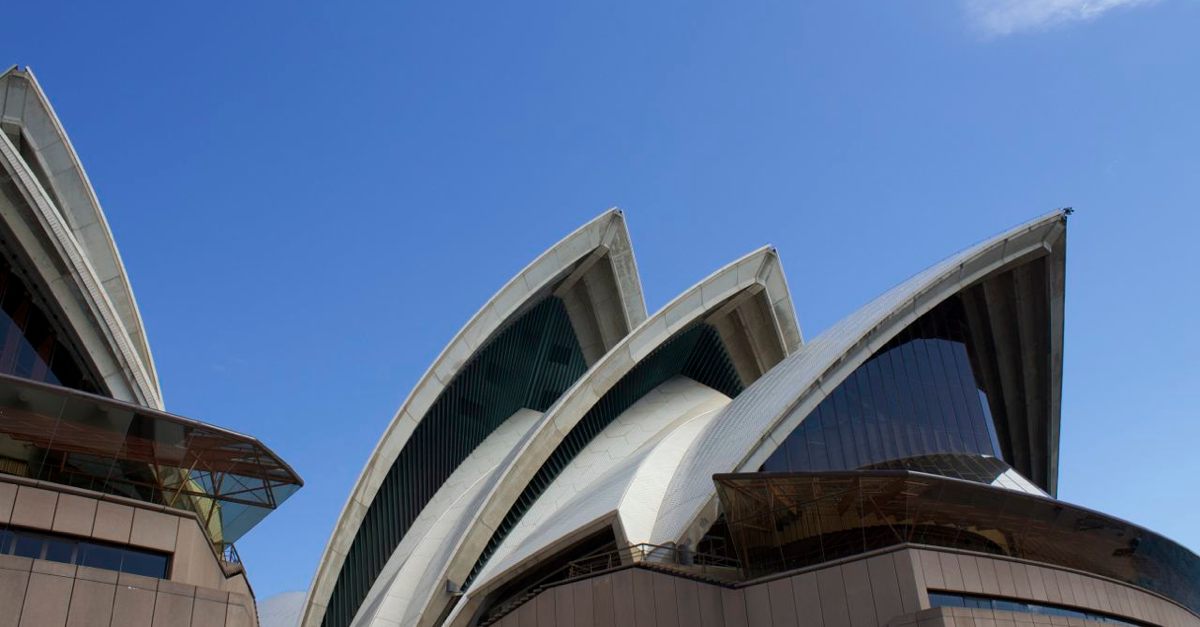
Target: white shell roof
(607,231)
(81,226)
(431,537)
(622,477)
(649,473)
(759,419)
(759,270)
(632,448)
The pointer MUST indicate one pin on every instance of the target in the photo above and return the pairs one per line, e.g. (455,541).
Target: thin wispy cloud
(997,18)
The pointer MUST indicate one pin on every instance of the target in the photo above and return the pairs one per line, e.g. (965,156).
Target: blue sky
(311,198)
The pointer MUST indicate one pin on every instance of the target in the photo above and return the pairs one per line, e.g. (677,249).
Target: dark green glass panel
(528,364)
(697,353)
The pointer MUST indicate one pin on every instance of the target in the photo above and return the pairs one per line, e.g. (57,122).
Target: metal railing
(231,562)
(229,554)
(663,556)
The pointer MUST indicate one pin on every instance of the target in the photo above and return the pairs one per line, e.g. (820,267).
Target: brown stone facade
(889,587)
(199,591)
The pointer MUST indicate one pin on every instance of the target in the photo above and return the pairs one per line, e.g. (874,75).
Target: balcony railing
(679,560)
(231,562)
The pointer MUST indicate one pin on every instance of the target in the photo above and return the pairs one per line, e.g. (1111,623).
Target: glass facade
(528,364)
(697,353)
(977,468)
(946,599)
(68,550)
(916,396)
(30,346)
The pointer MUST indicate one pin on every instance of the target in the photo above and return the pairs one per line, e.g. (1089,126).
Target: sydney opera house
(113,512)
(569,459)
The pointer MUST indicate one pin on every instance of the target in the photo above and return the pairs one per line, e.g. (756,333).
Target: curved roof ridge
(784,308)
(444,513)
(758,268)
(606,232)
(758,418)
(87,222)
(624,497)
(643,427)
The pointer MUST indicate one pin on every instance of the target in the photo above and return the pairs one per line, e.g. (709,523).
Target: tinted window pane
(58,550)
(29,345)
(916,397)
(945,599)
(71,551)
(502,377)
(147,564)
(28,546)
(98,556)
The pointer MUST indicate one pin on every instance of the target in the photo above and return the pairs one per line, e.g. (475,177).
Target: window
(528,364)
(144,563)
(68,550)
(917,396)
(59,550)
(30,346)
(948,599)
(99,556)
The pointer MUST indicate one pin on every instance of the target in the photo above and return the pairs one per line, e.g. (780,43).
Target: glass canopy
(785,521)
(56,434)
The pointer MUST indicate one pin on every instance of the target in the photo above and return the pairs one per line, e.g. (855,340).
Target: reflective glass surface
(144,563)
(528,364)
(27,546)
(30,346)
(977,468)
(916,396)
(98,556)
(784,521)
(69,550)
(697,353)
(59,549)
(55,434)
(946,599)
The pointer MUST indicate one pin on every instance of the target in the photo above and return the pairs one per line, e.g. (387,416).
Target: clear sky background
(311,198)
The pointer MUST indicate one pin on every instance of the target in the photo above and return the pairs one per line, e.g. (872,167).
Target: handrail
(229,554)
(603,561)
(231,562)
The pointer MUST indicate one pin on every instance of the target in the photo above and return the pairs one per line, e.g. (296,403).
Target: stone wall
(38,593)
(199,589)
(885,588)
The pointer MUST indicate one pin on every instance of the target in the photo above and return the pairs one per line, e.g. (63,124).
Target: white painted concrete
(760,418)
(606,233)
(70,231)
(750,274)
